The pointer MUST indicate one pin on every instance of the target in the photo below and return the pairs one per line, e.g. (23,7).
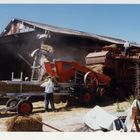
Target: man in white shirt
(129,122)
(49,86)
(126,47)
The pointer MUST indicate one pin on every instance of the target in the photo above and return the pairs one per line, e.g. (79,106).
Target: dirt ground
(67,118)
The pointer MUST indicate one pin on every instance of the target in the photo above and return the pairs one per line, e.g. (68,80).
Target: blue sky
(118,20)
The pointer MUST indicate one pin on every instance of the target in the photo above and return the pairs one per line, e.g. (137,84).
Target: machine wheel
(86,98)
(24,107)
(12,104)
(90,81)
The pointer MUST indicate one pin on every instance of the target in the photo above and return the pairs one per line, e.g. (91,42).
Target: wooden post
(135,118)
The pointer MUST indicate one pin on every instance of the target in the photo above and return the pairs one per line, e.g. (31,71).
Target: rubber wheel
(12,104)
(24,107)
(86,98)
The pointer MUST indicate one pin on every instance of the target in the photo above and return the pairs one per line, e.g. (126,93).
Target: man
(129,119)
(49,86)
(126,47)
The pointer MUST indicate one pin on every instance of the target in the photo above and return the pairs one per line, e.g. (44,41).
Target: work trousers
(49,99)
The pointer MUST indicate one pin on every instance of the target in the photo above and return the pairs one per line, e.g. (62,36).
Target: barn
(21,38)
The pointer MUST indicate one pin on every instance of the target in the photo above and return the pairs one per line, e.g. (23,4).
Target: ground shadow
(3,100)
(8,114)
(63,109)
(38,107)
(104,101)
(38,111)
(98,100)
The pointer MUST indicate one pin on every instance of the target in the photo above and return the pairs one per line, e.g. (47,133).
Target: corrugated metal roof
(71,32)
(66,31)
(120,40)
(97,54)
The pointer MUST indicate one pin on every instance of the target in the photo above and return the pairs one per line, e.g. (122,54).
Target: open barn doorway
(11,61)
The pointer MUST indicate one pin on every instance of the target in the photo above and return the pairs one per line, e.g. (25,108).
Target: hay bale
(97,68)
(24,123)
(110,46)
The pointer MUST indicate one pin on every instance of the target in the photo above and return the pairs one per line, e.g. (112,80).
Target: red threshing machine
(77,80)
(71,79)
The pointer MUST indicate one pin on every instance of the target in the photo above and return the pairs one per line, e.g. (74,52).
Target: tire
(86,98)
(24,107)
(12,104)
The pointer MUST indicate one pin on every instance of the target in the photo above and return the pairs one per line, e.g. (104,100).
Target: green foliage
(130,99)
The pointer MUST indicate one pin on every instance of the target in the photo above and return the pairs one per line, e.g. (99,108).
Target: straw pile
(24,123)
(113,46)
(97,68)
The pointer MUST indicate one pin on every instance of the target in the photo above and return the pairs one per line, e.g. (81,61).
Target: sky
(114,20)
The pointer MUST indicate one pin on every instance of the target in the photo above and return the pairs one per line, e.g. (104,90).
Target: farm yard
(67,119)
(102,76)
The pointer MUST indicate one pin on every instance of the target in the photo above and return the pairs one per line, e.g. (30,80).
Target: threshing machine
(77,80)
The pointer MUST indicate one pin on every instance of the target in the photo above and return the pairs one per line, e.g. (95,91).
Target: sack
(119,125)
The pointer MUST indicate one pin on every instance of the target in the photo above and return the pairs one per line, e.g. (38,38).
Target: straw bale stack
(97,68)
(4,87)
(24,123)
